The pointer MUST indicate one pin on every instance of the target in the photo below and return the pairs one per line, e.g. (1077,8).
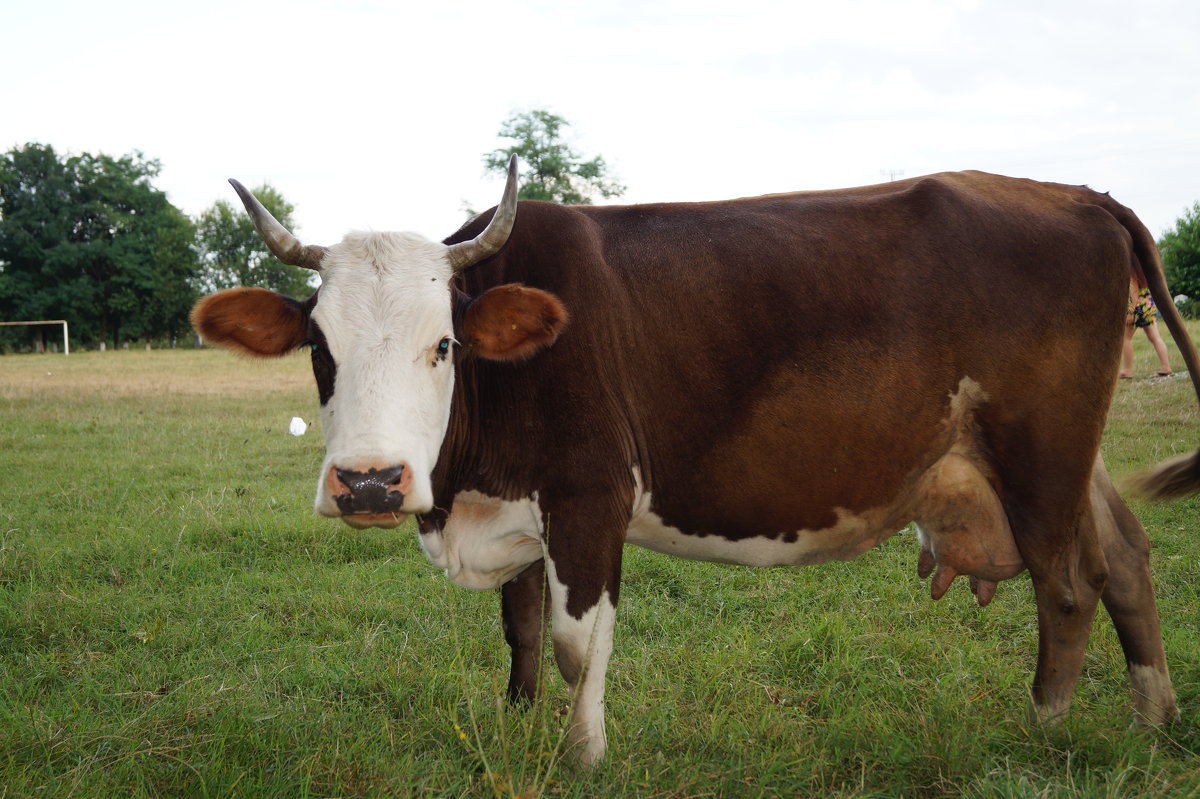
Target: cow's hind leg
(524,612)
(1129,598)
(1045,489)
(1068,572)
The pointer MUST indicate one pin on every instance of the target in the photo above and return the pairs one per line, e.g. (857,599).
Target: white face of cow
(382,336)
(384,312)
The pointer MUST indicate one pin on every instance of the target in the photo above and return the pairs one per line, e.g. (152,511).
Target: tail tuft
(1173,478)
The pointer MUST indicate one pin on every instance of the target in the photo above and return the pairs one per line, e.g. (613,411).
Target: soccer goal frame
(63,322)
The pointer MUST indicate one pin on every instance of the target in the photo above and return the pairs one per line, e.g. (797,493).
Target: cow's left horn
(468,253)
(279,240)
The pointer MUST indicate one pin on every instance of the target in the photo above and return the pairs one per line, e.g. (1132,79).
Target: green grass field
(175,621)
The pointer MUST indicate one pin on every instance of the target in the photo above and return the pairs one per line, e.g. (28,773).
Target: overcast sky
(375,114)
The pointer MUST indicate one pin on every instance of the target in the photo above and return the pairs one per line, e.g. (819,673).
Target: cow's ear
(254,321)
(513,322)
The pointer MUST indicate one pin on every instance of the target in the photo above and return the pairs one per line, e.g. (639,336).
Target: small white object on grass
(297,427)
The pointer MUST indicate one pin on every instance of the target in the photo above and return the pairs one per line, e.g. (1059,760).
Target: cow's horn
(283,245)
(468,253)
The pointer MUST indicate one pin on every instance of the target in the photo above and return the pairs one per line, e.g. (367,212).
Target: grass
(174,621)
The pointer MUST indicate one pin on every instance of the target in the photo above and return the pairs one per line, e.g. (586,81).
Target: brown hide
(770,362)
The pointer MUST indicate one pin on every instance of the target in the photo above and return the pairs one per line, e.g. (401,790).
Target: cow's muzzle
(370,493)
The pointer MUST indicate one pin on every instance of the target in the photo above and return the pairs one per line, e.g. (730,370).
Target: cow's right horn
(283,244)
(493,237)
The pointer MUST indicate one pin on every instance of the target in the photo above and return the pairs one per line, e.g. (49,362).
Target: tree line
(1180,248)
(88,238)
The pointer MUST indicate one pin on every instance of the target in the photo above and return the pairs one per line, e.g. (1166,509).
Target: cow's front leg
(524,606)
(583,599)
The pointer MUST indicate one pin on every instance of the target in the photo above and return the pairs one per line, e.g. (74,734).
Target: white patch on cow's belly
(486,541)
(847,539)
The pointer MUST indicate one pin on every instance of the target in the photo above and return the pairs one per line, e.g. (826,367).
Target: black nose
(373,491)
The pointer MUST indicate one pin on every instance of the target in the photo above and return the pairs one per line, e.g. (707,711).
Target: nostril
(334,482)
(346,479)
(404,480)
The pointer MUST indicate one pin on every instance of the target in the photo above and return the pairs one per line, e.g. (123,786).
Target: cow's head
(382,334)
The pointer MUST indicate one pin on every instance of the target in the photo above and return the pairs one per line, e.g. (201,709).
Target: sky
(369,114)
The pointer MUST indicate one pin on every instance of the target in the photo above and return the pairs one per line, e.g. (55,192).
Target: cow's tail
(1178,476)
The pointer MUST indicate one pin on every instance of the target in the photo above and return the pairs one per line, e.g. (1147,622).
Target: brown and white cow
(777,380)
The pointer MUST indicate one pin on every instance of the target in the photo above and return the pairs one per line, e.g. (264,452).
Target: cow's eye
(443,348)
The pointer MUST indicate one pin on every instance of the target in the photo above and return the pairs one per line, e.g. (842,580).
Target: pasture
(175,621)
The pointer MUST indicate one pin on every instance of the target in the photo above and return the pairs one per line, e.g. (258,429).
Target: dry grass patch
(160,373)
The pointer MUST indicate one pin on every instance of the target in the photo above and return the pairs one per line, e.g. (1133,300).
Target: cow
(785,379)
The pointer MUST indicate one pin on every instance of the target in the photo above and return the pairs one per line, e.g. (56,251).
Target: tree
(158,281)
(552,169)
(135,246)
(36,202)
(90,240)
(1181,254)
(234,254)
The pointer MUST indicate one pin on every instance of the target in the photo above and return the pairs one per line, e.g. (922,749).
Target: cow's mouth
(361,521)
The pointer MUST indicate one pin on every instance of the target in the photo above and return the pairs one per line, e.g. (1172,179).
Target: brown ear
(512,322)
(254,321)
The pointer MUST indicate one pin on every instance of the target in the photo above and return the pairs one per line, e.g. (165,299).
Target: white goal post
(63,322)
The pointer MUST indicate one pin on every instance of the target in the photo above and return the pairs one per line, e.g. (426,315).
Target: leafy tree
(157,261)
(36,201)
(552,169)
(234,254)
(136,248)
(90,240)
(1181,254)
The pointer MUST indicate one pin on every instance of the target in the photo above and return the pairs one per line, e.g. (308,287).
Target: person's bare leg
(1160,349)
(1127,352)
